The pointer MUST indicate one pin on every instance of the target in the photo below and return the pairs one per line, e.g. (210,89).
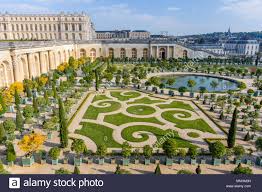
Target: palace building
(46,27)
(49,40)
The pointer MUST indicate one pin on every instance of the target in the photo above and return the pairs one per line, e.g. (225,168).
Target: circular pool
(212,84)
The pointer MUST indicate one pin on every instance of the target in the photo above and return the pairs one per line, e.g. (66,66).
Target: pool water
(223,85)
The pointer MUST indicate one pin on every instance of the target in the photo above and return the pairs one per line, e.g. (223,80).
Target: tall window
(93,54)
(122,53)
(134,53)
(111,52)
(145,53)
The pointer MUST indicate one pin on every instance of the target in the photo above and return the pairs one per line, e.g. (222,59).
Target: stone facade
(23,60)
(46,27)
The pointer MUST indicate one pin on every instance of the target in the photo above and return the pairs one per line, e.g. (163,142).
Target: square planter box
(237,161)
(125,162)
(202,161)
(193,161)
(28,162)
(169,162)
(248,162)
(55,162)
(43,161)
(77,161)
(147,161)
(101,161)
(49,135)
(65,160)
(112,160)
(136,161)
(259,161)
(227,161)
(181,161)
(89,160)
(216,162)
(10,164)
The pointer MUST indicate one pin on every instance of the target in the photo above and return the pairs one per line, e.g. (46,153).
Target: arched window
(5,36)
(111,52)
(134,53)
(66,36)
(93,54)
(145,53)
(162,53)
(74,36)
(80,36)
(82,53)
(122,53)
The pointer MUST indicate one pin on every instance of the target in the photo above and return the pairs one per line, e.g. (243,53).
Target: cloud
(173,8)
(122,16)
(247,9)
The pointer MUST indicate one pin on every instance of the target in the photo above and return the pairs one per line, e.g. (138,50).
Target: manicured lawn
(161,135)
(176,104)
(92,112)
(198,124)
(141,110)
(99,134)
(146,100)
(100,97)
(193,135)
(126,96)
(120,119)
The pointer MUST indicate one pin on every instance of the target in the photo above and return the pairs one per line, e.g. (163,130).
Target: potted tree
(239,151)
(30,144)
(182,90)
(192,153)
(147,151)
(43,156)
(126,153)
(10,154)
(136,155)
(182,155)
(191,84)
(54,153)
(169,148)
(217,150)
(79,147)
(101,152)
(259,148)
(228,155)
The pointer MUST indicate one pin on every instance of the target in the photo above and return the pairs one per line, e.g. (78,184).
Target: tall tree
(231,139)
(35,105)
(63,125)
(17,98)
(19,120)
(158,170)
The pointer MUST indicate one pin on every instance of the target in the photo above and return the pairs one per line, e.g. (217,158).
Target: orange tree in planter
(31,143)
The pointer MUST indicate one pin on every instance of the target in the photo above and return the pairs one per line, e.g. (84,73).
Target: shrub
(185,172)
(217,149)
(170,147)
(62,171)
(126,150)
(148,151)
(192,152)
(239,170)
(239,151)
(54,153)
(10,152)
(9,126)
(78,146)
(28,112)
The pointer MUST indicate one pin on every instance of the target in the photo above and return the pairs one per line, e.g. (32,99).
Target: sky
(177,17)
